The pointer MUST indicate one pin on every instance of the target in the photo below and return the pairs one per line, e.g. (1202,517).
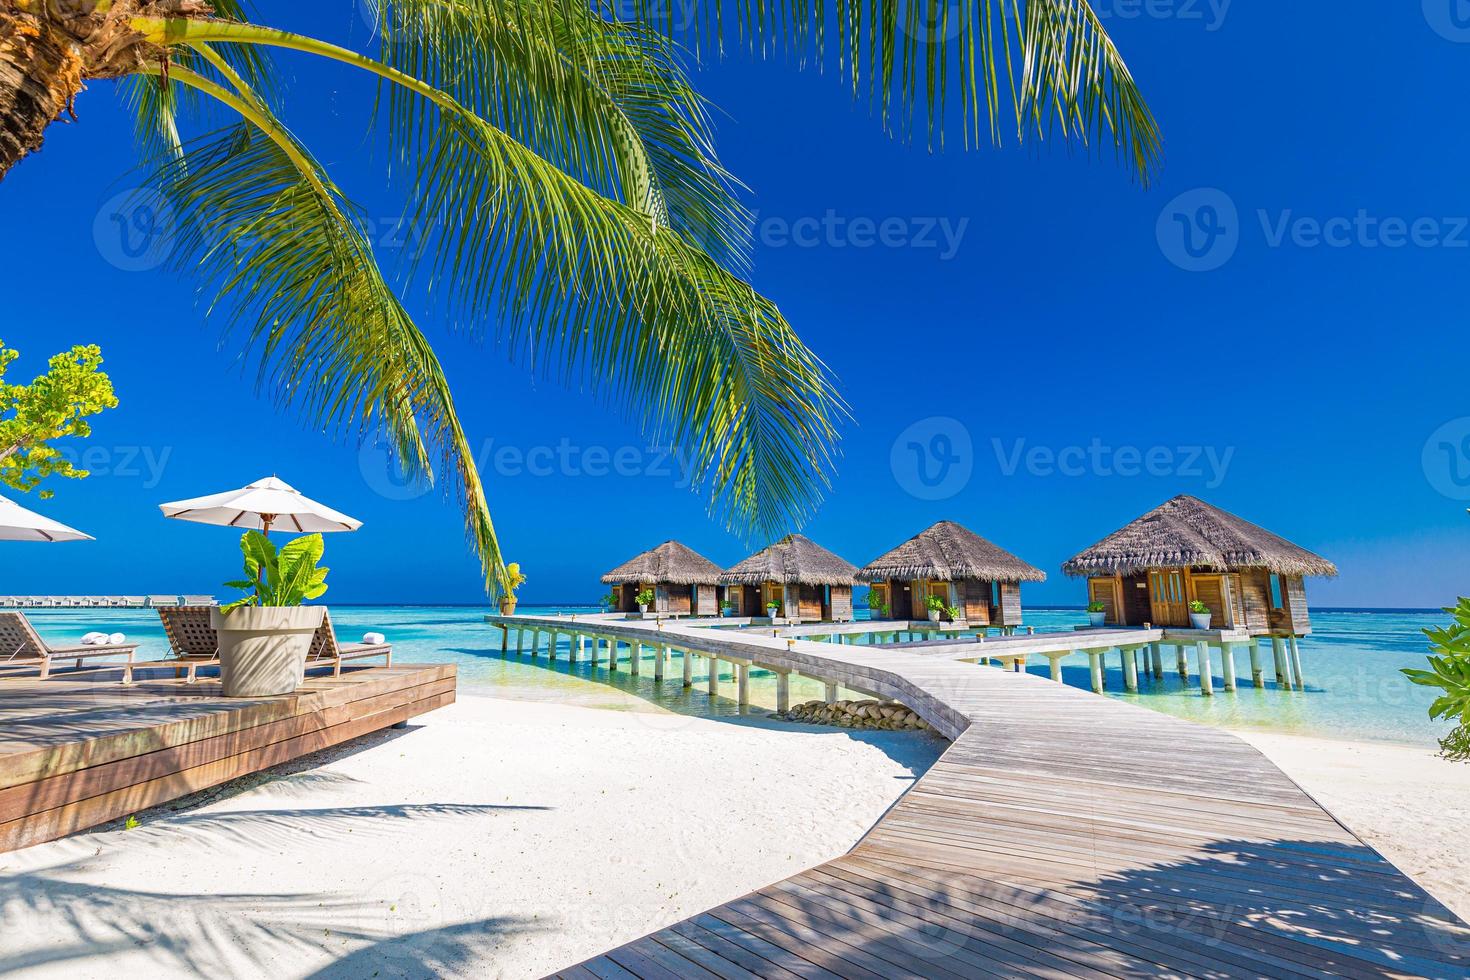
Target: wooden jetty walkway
(80,749)
(1061,835)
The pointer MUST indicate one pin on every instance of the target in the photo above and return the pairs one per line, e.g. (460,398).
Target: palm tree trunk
(48,49)
(40,74)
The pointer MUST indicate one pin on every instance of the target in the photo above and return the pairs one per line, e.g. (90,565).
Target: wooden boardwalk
(80,749)
(1062,834)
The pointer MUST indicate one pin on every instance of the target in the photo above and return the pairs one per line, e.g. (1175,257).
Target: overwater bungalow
(967,572)
(1150,570)
(809,582)
(683,581)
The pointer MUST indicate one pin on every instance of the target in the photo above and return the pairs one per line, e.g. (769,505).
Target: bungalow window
(1275,591)
(994,595)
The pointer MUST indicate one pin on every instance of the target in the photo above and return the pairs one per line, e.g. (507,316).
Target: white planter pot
(1200,621)
(262,649)
(642,609)
(934,615)
(1096,619)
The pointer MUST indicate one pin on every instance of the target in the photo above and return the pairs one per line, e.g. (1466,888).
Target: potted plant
(645,599)
(1097,613)
(1199,615)
(513,580)
(727,608)
(611,601)
(936,607)
(264,636)
(952,613)
(773,608)
(877,610)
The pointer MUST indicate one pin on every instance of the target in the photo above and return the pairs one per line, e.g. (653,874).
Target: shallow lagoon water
(1351,662)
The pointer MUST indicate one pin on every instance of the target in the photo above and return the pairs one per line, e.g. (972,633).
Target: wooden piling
(1056,668)
(1094,662)
(1296,664)
(660,661)
(1206,671)
(688,658)
(831,693)
(635,658)
(783,692)
(1255,647)
(1278,652)
(742,684)
(1130,670)
(713,681)
(1227,660)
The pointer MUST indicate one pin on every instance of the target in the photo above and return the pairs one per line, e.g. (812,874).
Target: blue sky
(1025,328)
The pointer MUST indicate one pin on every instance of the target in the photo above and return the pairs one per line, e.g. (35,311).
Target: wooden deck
(80,749)
(1062,834)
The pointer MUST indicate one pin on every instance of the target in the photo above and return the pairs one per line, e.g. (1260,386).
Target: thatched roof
(1188,532)
(670,562)
(796,560)
(950,553)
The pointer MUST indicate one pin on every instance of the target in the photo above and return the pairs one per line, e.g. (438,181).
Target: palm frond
(1051,60)
(608,103)
(302,293)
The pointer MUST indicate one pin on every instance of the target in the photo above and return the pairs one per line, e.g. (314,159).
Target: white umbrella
(265,504)
(19,524)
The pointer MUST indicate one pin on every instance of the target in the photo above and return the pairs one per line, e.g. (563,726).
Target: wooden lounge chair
(326,650)
(191,640)
(21,645)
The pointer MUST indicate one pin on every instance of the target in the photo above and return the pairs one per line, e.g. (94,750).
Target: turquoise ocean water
(1351,662)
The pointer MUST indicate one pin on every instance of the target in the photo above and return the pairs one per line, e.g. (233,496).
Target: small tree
(52,407)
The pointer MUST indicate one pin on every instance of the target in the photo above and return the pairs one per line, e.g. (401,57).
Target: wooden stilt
(520,641)
(783,692)
(713,681)
(581,644)
(504,639)
(1255,648)
(635,658)
(688,658)
(660,661)
(1296,664)
(1056,669)
(1094,661)
(831,692)
(1227,660)
(742,685)
(535,643)
(1183,662)
(1206,671)
(1130,670)
(612,653)
(1156,654)
(1278,651)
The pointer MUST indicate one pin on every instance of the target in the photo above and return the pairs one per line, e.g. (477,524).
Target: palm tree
(560,167)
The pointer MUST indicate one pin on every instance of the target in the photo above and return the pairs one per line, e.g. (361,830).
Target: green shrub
(1449,663)
(1095,606)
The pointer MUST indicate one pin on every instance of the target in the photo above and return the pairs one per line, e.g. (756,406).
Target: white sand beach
(492,838)
(1405,801)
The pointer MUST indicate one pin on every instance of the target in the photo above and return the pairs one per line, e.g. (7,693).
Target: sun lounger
(21,646)
(326,650)
(191,640)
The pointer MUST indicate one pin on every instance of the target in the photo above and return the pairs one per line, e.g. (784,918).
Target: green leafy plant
(773,605)
(952,613)
(1449,662)
(611,600)
(935,604)
(1096,607)
(53,406)
(132,823)
(878,608)
(1196,606)
(287,576)
(645,598)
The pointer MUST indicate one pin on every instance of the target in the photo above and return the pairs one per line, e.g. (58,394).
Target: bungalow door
(1167,599)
